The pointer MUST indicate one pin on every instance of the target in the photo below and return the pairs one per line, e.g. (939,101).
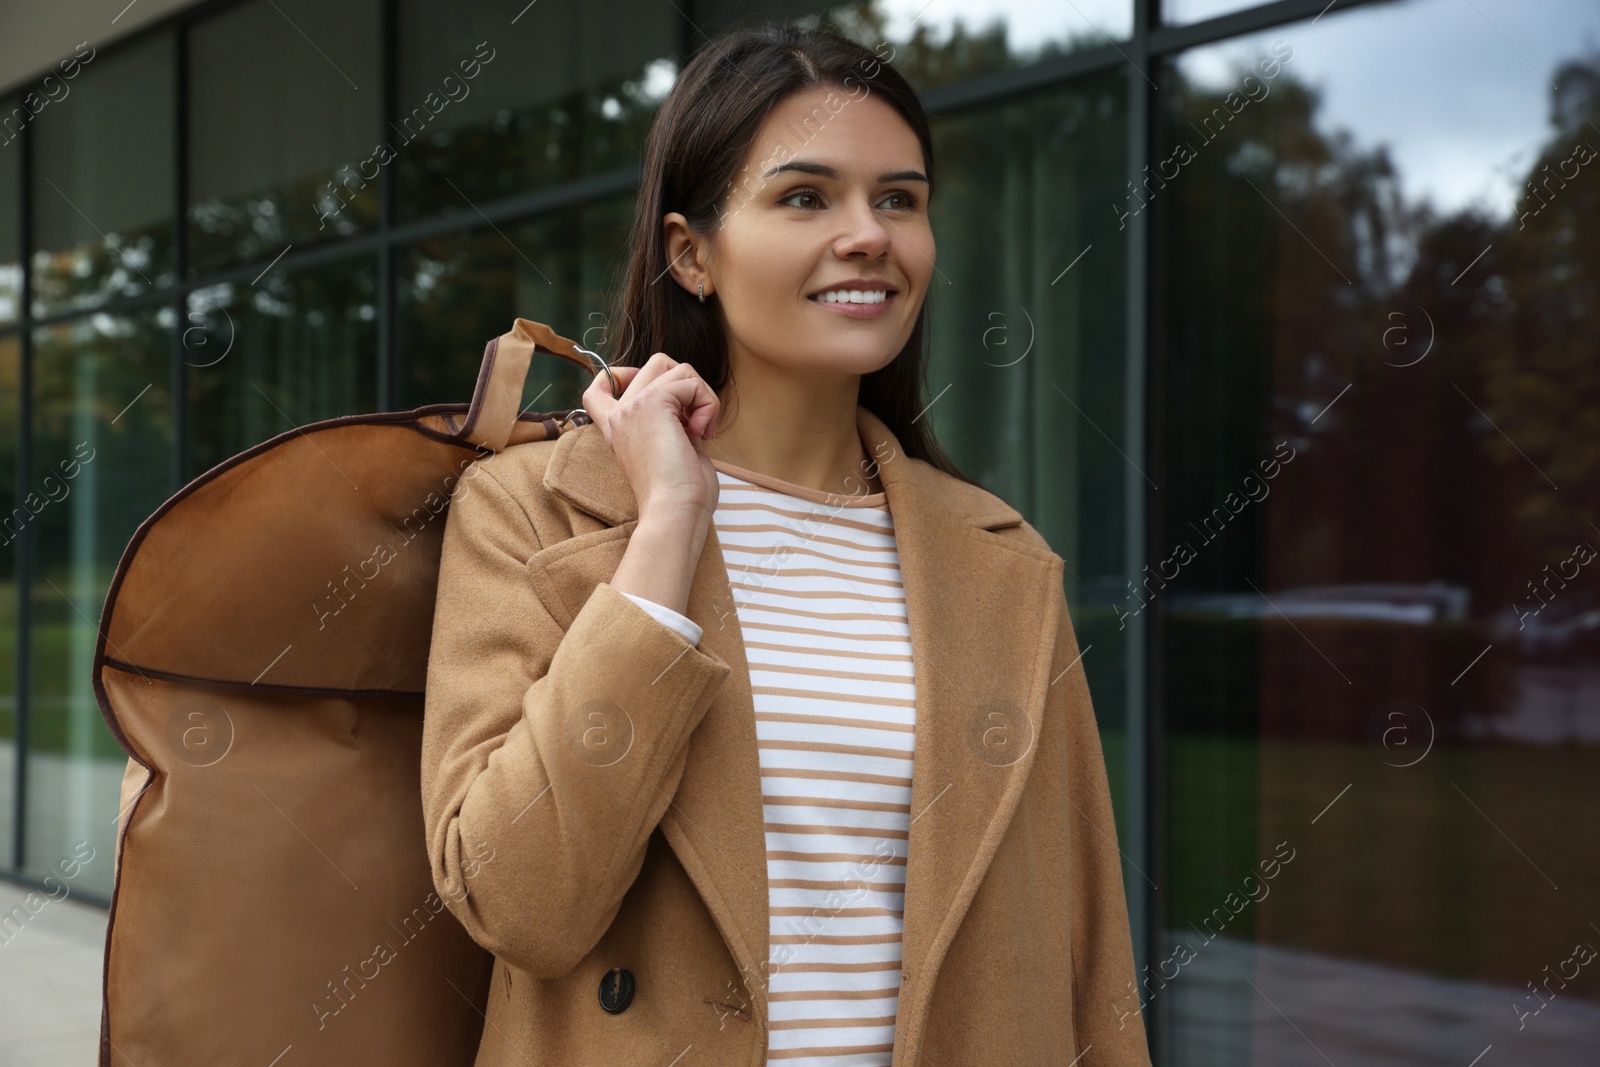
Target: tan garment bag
(262,656)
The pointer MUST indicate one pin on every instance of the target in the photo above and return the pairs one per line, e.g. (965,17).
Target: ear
(687,253)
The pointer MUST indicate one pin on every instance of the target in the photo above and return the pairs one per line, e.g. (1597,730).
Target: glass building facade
(1278,320)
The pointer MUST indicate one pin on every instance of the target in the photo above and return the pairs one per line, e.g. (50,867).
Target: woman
(769,719)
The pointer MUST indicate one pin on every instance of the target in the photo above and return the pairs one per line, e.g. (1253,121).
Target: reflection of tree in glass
(1291,304)
(1517,336)
(88,373)
(1309,308)
(1536,310)
(591,130)
(1286,255)
(256,226)
(126,263)
(934,55)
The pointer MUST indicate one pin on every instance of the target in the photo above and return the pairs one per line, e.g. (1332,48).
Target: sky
(1458,90)
(1029,23)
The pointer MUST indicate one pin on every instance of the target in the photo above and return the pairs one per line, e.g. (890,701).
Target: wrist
(661,557)
(674,517)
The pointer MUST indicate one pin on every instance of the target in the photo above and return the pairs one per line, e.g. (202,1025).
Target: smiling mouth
(855,297)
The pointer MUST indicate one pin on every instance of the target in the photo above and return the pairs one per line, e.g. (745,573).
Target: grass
(1477,863)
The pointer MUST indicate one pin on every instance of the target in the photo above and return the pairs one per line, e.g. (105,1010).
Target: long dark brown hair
(696,144)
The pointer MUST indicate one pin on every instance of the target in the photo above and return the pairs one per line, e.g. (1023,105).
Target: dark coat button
(616,989)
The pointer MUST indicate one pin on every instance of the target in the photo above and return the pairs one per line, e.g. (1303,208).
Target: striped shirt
(816,584)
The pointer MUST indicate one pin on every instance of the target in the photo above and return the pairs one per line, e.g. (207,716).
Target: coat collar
(981,611)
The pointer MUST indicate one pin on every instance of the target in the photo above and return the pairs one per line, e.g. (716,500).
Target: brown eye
(800,192)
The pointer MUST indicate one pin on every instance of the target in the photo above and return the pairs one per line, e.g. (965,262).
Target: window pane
(942,42)
(1026,320)
(457,292)
(14,517)
(101,457)
(1379,489)
(486,113)
(10,220)
(264,359)
(283,110)
(1182,11)
(103,181)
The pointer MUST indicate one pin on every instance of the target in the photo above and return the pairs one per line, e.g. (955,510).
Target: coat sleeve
(1105,1000)
(548,756)
(691,630)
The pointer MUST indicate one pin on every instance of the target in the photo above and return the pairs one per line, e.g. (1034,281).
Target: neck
(801,431)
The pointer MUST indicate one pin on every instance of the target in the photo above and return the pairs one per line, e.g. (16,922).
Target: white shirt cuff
(690,629)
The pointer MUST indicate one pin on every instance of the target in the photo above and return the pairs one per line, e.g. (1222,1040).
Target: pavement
(51,954)
(1236,1005)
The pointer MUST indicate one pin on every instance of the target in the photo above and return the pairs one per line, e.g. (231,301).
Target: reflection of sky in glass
(1461,111)
(1186,11)
(1029,23)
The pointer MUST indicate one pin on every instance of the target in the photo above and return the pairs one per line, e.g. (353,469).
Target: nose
(866,232)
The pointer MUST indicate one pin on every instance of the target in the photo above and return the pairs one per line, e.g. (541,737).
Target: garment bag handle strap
(497,399)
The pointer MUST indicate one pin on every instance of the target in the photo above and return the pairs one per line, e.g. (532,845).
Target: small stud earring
(702,293)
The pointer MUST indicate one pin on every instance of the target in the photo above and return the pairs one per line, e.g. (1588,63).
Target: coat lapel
(980,611)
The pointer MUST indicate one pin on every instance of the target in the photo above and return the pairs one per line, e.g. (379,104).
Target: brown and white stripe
(816,585)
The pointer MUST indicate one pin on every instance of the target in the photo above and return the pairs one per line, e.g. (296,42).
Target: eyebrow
(825,171)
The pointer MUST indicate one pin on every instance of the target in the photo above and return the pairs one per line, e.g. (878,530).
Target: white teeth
(854,296)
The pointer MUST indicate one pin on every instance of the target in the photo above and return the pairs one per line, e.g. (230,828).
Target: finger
(624,377)
(658,364)
(699,403)
(634,378)
(695,402)
(598,398)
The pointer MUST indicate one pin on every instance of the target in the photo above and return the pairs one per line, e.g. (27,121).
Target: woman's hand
(665,404)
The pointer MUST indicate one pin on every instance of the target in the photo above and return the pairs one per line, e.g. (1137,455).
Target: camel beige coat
(592,797)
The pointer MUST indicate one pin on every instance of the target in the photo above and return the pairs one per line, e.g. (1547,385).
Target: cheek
(759,285)
(765,270)
(920,255)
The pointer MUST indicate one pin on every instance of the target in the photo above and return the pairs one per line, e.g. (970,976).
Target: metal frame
(1150,44)
(24,555)
(1139,653)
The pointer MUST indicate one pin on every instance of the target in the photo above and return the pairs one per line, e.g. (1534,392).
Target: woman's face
(832,198)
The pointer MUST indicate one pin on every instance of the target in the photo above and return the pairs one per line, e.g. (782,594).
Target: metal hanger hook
(603,366)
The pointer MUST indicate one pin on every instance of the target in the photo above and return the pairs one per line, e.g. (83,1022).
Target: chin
(859,354)
(826,357)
